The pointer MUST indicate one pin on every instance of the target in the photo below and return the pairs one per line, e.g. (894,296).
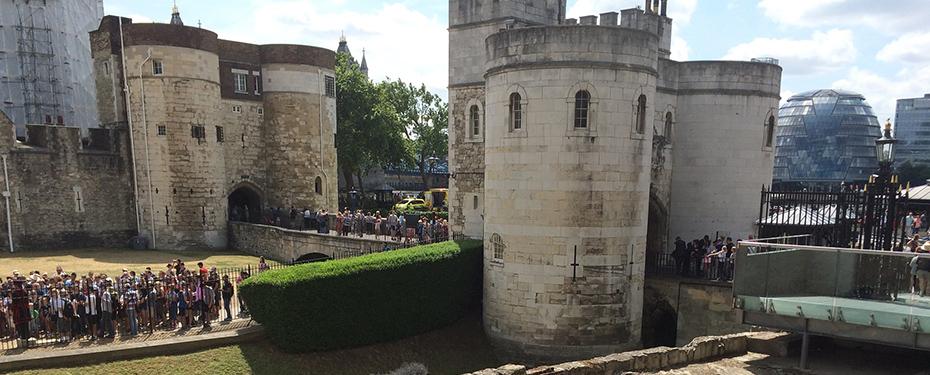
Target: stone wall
(698,350)
(284,245)
(567,206)
(722,110)
(66,196)
(701,308)
(466,162)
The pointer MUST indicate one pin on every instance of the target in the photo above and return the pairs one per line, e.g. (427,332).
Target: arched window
(668,127)
(498,245)
(318,185)
(770,131)
(641,114)
(582,104)
(475,117)
(516,112)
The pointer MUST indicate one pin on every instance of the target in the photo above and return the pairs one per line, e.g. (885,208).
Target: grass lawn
(112,261)
(459,348)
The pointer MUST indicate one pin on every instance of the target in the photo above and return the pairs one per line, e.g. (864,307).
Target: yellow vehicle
(411,204)
(436,199)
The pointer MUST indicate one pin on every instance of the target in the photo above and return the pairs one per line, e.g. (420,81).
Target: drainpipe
(145,132)
(6,195)
(132,145)
(322,169)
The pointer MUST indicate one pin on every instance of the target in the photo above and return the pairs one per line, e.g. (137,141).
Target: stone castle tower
(216,124)
(575,147)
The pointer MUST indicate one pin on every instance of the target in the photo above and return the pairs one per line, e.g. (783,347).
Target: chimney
(589,20)
(648,7)
(664,8)
(609,18)
(574,21)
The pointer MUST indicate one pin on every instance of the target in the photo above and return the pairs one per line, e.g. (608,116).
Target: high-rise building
(825,138)
(912,129)
(45,64)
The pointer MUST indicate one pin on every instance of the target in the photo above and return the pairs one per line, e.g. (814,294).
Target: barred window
(162,130)
(498,245)
(331,86)
(220,136)
(516,112)
(770,131)
(198,132)
(582,104)
(641,115)
(475,121)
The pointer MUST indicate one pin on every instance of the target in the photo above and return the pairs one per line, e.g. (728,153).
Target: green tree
(425,120)
(368,133)
(915,174)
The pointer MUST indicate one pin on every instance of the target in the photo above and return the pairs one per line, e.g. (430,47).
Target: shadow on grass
(457,349)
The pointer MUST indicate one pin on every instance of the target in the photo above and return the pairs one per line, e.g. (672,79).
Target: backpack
(68,310)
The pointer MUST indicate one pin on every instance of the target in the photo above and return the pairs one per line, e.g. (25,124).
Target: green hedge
(368,299)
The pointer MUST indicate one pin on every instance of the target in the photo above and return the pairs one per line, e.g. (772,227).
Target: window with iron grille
(220,137)
(331,86)
(198,132)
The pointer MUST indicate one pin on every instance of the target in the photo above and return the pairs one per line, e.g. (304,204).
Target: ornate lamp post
(883,194)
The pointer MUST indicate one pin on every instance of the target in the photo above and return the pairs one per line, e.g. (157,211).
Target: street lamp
(882,196)
(884,152)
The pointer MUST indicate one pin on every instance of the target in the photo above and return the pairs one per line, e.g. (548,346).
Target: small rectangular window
(261,111)
(198,132)
(474,202)
(237,109)
(240,82)
(220,137)
(157,68)
(106,68)
(331,86)
(258,85)
(162,130)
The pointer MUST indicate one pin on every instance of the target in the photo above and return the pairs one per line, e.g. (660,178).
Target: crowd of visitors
(396,225)
(703,258)
(66,306)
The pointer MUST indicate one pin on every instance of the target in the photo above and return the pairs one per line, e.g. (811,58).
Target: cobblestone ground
(10,347)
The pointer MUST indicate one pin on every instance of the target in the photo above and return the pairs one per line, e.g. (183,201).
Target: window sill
(639,136)
(519,133)
(496,263)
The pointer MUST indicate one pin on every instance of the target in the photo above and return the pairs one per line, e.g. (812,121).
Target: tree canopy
(426,125)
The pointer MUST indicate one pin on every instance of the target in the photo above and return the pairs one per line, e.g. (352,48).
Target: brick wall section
(67,197)
(702,307)
(698,350)
(284,245)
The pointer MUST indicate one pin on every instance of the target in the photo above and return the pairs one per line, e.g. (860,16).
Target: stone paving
(158,334)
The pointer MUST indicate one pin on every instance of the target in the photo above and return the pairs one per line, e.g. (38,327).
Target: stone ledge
(110,353)
(698,350)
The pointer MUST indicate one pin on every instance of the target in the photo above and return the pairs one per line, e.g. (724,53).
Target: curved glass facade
(825,137)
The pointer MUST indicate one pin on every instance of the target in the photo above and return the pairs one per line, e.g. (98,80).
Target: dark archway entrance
(245,205)
(313,257)
(658,224)
(660,326)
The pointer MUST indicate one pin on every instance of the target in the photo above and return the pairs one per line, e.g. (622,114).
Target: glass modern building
(912,129)
(825,138)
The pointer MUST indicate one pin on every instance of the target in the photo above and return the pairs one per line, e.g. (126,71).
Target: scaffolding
(46,66)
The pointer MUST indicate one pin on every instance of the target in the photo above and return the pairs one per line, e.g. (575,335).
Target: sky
(880,49)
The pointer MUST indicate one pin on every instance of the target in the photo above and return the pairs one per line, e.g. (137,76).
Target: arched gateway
(245,204)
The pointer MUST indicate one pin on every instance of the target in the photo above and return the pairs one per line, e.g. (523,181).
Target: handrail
(832,249)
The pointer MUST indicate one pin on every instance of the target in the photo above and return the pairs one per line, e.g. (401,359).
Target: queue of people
(703,258)
(66,307)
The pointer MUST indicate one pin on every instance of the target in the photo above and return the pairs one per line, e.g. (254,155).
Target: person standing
(227,296)
(130,298)
(92,312)
(680,256)
(19,308)
(208,298)
(106,313)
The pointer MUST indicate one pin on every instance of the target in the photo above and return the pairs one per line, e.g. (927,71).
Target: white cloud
(911,48)
(679,10)
(881,92)
(399,42)
(680,49)
(822,53)
(889,17)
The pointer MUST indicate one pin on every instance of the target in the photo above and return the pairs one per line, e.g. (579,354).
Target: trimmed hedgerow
(368,299)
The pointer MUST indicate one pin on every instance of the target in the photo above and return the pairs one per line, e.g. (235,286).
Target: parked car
(411,204)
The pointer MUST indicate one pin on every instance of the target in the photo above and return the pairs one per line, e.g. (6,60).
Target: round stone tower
(299,96)
(568,145)
(178,161)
